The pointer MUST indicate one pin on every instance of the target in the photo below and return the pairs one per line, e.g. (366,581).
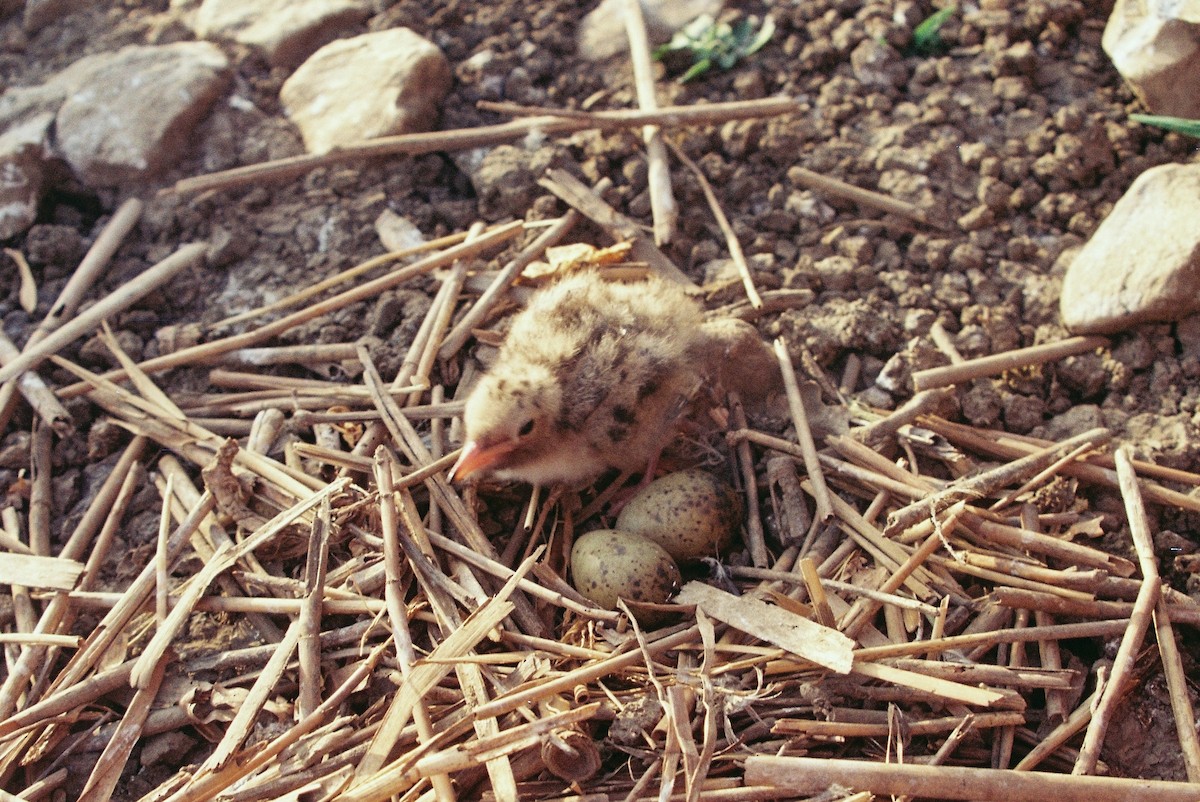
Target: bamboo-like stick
(72,295)
(1177,687)
(863,197)
(804,435)
(926,402)
(56,612)
(807,775)
(308,624)
(346,275)
(731,240)
(576,194)
(1009,360)
(989,481)
(1139,620)
(397,615)
(482,136)
(118,300)
(37,393)
(107,770)
(1090,470)
(1088,629)
(663,208)
(40,490)
(369,289)
(755,536)
(851,729)
(461,332)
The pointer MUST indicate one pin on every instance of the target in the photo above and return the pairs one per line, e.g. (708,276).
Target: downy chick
(591,376)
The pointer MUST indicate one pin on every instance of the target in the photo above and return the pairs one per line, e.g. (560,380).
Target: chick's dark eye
(525,429)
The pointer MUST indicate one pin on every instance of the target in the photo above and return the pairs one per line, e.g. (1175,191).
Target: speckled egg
(692,514)
(608,564)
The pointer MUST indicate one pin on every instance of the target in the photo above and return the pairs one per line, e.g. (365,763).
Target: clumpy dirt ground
(1014,139)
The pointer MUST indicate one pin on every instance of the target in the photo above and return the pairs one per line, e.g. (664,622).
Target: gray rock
(1143,262)
(26,118)
(602,32)
(1155,45)
(128,114)
(377,84)
(287,31)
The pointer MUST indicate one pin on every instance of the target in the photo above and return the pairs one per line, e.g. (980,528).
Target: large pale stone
(1155,45)
(1143,262)
(23,150)
(602,32)
(128,114)
(287,31)
(377,84)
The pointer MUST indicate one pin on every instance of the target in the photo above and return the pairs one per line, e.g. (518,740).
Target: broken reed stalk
(482,136)
(36,392)
(812,463)
(989,482)
(731,239)
(461,332)
(663,208)
(995,364)
(1139,620)
(72,295)
(807,775)
(576,194)
(863,197)
(342,277)
(118,300)
(370,289)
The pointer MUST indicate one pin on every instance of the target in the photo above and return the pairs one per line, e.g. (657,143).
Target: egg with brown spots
(607,564)
(691,514)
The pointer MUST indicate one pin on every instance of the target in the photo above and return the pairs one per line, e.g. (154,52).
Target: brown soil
(1016,137)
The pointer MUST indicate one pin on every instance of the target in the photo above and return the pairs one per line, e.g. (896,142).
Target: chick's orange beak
(476,457)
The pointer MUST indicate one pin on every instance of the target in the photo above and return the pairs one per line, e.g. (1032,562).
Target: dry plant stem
(458,336)
(1139,620)
(1041,478)
(863,197)
(410,441)
(576,194)
(941,338)
(162,579)
(207,788)
(1024,539)
(107,771)
(566,682)
(882,430)
(852,729)
(755,536)
(1177,686)
(250,706)
(41,490)
(118,300)
(397,613)
(1091,470)
(731,240)
(806,775)
(482,136)
(308,354)
(57,612)
(988,482)
(1050,656)
(35,391)
(309,623)
(1088,629)
(76,288)
(346,275)
(864,610)
(441,312)
(1009,360)
(204,351)
(663,208)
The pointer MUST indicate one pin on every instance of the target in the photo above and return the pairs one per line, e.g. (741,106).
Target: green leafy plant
(716,44)
(1177,124)
(927,38)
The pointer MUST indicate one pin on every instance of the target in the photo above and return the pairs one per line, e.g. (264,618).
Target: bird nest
(339,621)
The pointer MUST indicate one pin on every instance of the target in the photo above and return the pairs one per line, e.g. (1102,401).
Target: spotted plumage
(591,376)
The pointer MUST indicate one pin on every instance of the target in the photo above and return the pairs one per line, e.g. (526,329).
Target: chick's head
(510,420)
